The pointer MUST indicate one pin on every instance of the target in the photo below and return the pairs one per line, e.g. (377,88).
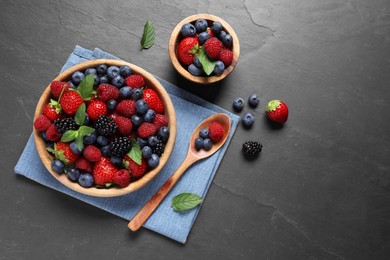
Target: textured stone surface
(319,190)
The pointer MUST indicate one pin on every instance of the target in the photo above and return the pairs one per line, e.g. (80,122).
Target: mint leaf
(69,136)
(135,153)
(148,35)
(79,142)
(79,118)
(207,64)
(86,87)
(85,130)
(185,201)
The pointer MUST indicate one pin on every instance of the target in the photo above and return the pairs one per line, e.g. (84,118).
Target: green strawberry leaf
(86,87)
(85,130)
(185,201)
(108,184)
(207,65)
(148,35)
(195,49)
(61,156)
(135,153)
(125,164)
(56,105)
(68,136)
(79,118)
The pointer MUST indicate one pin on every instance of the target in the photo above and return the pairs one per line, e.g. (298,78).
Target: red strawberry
(42,123)
(226,56)
(106,92)
(89,101)
(186,50)
(92,153)
(135,169)
(64,153)
(126,108)
(160,120)
(146,130)
(103,171)
(50,112)
(210,32)
(122,178)
(84,165)
(153,100)
(216,132)
(52,133)
(212,47)
(277,111)
(56,88)
(124,125)
(135,81)
(70,102)
(95,109)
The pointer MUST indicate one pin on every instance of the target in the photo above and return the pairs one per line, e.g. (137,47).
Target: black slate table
(319,190)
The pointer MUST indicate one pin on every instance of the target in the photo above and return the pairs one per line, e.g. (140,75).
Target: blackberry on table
(105,126)
(252,148)
(159,147)
(65,124)
(120,146)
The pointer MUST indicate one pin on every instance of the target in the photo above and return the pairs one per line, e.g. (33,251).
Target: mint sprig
(85,87)
(148,35)
(79,117)
(135,153)
(185,201)
(207,64)
(77,135)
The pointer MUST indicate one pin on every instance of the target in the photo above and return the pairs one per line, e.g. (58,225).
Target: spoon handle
(141,217)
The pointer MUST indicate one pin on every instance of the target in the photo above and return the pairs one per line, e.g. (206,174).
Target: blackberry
(65,124)
(251,148)
(159,147)
(105,126)
(120,146)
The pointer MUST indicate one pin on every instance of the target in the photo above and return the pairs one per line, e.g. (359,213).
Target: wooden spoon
(192,156)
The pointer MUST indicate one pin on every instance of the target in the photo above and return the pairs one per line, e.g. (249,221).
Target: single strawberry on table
(277,111)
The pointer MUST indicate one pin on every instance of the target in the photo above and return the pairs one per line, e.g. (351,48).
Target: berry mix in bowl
(204,48)
(104,127)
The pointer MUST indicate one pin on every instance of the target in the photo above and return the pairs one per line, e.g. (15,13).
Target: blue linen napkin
(190,111)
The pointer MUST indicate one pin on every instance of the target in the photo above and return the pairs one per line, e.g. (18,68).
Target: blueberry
(118,81)
(153,161)
(44,137)
(203,37)
(90,71)
(248,119)
(86,180)
(204,133)
(136,120)
(77,77)
(219,67)
(146,152)
(117,160)
(149,115)
(125,92)
(103,80)
(57,166)
(112,72)
(74,148)
(238,104)
(70,83)
(207,144)
(101,69)
(197,62)
(216,28)
(222,34)
(137,94)
(188,30)
(50,145)
(201,25)
(86,121)
(73,174)
(152,141)
(194,70)
(253,100)
(96,80)
(163,133)
(227,40)
(124,71)
(141,106)
(102,140)
(198,143)
(90,139)
(106,150)
(141,142)
(111,105)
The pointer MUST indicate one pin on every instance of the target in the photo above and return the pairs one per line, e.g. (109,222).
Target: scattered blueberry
(238,104)
(253,100)
(73,173)
(198,143)
(137,94)
(163,133)
(102,140)
(216,28)
(146,152)
(248,119)
(90,139)
(204,133)
(219,67)
(203,37)
(152,141)
(74,148)
(207,144)
(141,142)
(136,120)
(57,166)
(227,40)
(141,106)
(103,80)
(106,150)
(118,81)
(197,62)
(101,69)
(153,161)
(77,77)
(149,115)
(112,72)
(188,30)
(201,25)
(86,180)
(194,70)
(111,105)
(124,71)
(90,71)
(125,92)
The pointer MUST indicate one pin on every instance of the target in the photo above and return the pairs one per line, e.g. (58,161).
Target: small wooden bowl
(151,82)
(176,37)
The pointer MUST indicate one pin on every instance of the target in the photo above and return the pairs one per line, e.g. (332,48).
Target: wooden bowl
(176,37)
(151,82)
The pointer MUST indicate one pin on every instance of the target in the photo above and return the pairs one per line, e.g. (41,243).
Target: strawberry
(92,153)
(226,56)
(124,125)
(106,92)
(153,100)
(277,111)
(122,178)
(52,133)
(50,112)
(210,32)
(95,109)
(84,165)
(135,81)
(56,88)
(70,102)
(146,130)
(216,132)
(126,108)
(42,123)
(160,120)
(186,50)
(64,153)
(212,47)
(135,169)
(103,171)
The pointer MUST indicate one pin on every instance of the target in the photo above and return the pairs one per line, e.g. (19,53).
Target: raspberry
(92,153)
(135,81)
(216,132)
(52,133)
(124,125)
(107,92)
(42,123)
(226,56)
(56,88)
(122,178)
(95,109)
(84,165)
(126,108)
(213,47)
(159,121)
(146,130)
